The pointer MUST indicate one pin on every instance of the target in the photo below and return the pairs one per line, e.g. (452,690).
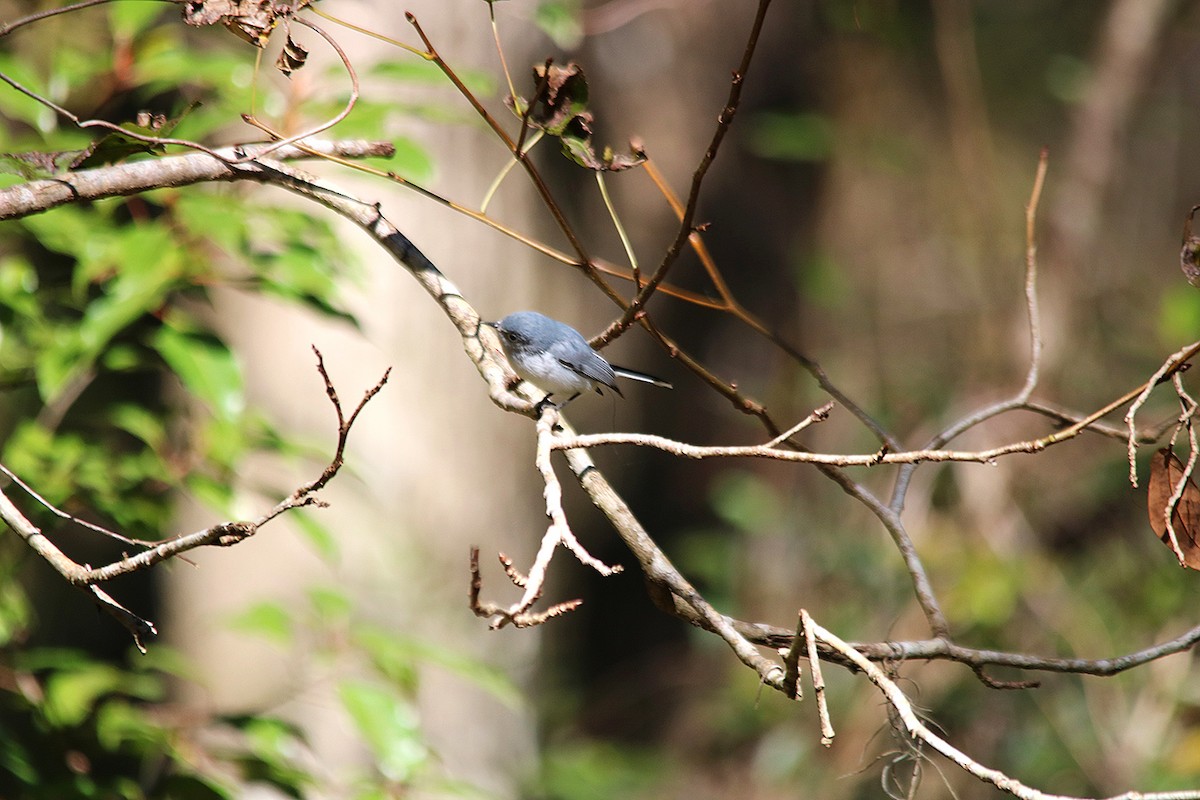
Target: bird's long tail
(634,375)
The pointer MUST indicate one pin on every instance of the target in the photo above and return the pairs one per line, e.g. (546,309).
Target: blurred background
(868,204)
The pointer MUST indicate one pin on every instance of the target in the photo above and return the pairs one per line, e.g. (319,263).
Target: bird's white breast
(547,373)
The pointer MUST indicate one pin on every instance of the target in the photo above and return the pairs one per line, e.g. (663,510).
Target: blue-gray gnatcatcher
(557,359)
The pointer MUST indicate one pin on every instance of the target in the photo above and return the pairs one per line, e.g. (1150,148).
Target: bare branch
(223,534)
(687,221)
(1173,364)
(818,679)
(931,455)
(184,170)
(332,121)
(558,532)
(1031,270)
(916,728)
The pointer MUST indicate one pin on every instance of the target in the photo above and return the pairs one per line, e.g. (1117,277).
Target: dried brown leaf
(251,20)
(1166,471)
(1189,253)
(292,57)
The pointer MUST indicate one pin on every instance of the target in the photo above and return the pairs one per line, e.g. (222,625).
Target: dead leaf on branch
(560,109)
(251,20)
(1166,470)
(292,57)
(1189,254)
(111,148)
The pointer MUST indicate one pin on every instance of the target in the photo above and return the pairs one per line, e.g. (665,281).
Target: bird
(557,359)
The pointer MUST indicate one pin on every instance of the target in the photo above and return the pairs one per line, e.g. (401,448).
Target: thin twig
(1169,367)
(223,534)
(687,222)
(792,686)
(9,27)
(336,118)
(106,125)
(1031,272)
(818,679)
(771,451)
(1185,477)
(584,262)
(558,532)
(602,185)
(29,490)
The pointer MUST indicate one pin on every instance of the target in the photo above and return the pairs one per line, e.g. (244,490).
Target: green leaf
(398,657)
(130,19)
(139,421)
(586,771)
(118,723)
(216,215)
(792,137)
(273,744)
(330,604)
(72,230)
(18,106)
(18,282)
(216,494)
(267,619)
(560,20)
(15,616)
(206,367)
(71,695)
(412,160)
(745,501)
(145,267)
(318,535)
(390,727)
(421,71)
(1178,314)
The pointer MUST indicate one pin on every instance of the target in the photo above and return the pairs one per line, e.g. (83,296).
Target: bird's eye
(512,337)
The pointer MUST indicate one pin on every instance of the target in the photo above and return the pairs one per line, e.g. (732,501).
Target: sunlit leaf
(560,20)
(791,137)
(206,367)
(329,603)
(399,657)
(390,726)
(318,534)
(72,694)
(267,619)
(144,265)
(130,19)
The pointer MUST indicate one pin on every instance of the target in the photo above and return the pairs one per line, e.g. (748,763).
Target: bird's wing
(594,368)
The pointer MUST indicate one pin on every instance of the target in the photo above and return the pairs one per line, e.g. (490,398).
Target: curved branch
(121,180)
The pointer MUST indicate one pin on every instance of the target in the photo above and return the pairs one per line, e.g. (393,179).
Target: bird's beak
(495,325)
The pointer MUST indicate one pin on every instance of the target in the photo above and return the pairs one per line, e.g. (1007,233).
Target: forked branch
(223,534)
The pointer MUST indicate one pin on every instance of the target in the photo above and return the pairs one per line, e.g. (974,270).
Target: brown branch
(687,222)
(584,263)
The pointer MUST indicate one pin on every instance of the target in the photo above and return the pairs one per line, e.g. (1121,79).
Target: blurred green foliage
(119,394)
